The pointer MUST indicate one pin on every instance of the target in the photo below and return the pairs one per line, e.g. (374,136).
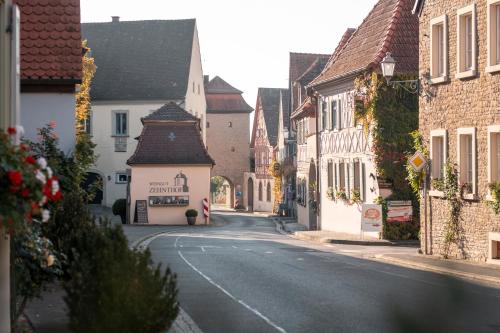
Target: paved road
(245,277)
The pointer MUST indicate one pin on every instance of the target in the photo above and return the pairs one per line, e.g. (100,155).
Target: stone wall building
(460,122)
(228,135)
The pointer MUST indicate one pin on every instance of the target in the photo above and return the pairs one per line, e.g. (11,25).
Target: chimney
(115,18)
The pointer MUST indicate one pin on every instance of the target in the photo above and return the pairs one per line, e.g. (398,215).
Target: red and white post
(206,210)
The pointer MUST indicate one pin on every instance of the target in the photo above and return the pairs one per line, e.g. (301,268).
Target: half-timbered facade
(347,164)
(259,184)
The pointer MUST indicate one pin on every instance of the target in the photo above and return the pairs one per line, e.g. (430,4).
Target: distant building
(304,122)
(460,123)
(228,135)
(350,170)
(259,184)
(170,168)
(141,66)
(51,67)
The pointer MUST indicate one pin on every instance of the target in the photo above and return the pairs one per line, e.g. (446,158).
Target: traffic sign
(418,161)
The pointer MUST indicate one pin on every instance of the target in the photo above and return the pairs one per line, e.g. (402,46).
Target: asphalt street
(243,276)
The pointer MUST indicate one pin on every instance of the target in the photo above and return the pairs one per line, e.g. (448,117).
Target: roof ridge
(396,15)
(134,21)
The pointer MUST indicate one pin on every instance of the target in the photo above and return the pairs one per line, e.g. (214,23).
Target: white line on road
(235,247)
(255,311)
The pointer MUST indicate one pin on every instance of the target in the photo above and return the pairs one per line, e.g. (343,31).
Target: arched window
(260,191)
(268,192)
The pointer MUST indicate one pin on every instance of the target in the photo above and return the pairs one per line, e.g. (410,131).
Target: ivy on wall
(390,115)
(276,171)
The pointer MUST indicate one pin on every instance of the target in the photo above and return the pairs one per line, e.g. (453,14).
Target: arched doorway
(250,194)
(221,192)
(93,184)
(313,201)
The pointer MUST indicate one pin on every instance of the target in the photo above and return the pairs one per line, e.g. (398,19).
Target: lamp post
(388,64)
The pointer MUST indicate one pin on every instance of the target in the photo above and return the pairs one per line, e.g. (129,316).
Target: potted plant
(191,215)
(120,208)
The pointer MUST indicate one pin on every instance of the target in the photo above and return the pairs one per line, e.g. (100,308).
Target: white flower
(55,187)
(42,162)
(49,172)
(41,177)
(45,215)
(19,130)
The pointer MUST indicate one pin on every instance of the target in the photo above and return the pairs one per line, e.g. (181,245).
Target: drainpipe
(318,174)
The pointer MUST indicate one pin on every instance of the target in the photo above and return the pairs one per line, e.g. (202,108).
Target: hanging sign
(371,218)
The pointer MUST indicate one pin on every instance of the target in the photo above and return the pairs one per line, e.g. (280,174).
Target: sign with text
(141,211)
(371,218)
(399,211)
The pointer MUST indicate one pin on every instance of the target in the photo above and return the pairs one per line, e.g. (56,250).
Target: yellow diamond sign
(418,161)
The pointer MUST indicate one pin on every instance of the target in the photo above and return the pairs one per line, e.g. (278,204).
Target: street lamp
(388,64)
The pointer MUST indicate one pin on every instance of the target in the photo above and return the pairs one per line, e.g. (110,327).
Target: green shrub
(115,289)
(120,208)
(191,213)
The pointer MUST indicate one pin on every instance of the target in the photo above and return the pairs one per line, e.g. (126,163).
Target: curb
(355,242)
(431,268)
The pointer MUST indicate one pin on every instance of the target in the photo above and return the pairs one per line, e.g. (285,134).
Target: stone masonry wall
(229,145)
(473,102)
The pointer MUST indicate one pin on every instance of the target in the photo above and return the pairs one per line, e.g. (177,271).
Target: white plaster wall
(263,205)
(196,103)
(109,162)
(303,173)
(199,188)
(38,109)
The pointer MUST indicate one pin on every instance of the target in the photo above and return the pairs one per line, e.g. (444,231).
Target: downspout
(318,175)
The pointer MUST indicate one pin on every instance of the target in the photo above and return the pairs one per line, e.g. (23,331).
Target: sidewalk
(481,272)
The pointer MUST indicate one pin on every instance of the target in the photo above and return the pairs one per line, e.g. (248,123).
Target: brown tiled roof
(170,140)
(50,40)
(389,27)
(170,112)
(224,98)
(300,62)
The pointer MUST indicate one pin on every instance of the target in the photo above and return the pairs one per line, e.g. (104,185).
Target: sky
(247,43)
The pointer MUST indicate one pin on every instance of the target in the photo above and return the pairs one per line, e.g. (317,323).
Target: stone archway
(222,192)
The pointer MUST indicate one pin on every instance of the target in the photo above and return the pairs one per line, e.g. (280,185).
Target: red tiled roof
(300,62)
(389,27)
(224,98)
(50,39)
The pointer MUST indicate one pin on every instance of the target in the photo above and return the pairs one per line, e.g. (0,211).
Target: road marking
(300,259)
(202,248)
(234,247)
(269,252)
(255,311)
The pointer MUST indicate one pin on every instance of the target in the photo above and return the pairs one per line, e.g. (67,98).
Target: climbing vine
(452,193)
(415,179)
(390,114)
(276,172)
(495,197)
(83,96)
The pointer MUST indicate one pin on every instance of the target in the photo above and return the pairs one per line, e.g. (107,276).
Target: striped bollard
(205,210)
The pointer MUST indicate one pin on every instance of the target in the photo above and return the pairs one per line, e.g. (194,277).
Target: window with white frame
(342,186)
(334,114)
(493,36)
(120,123)
(466,41)
(438,153)
(121,178)
(330,173)
(324,115)
(357,176)
(466,152)
(494,154)
(439,49)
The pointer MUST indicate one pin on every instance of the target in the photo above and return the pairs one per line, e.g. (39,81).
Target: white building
(141,66)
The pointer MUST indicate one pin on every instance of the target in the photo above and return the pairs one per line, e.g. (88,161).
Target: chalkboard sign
(141,211)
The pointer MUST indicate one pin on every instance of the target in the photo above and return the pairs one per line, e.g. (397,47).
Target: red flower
(24,147)
(15,177)
(11,130)
(25,193)
(30,159)
(57,196)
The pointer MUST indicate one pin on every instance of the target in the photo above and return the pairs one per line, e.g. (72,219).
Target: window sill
(470,196)
(120,136)
(466,74)
(436,193)
(440,79)
(493,68)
